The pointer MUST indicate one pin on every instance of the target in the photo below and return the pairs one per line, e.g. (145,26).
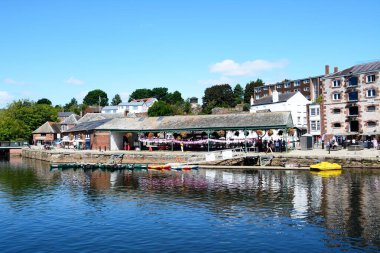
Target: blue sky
(63,49)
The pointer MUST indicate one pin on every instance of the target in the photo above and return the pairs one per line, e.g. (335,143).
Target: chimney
(275,96)
(327,69)
(252,100)
(335,69)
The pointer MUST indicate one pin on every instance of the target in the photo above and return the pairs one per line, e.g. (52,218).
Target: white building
(315,120)
(294,102)
(137,105)
(110,109)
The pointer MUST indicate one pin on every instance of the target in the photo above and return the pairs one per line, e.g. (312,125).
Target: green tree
(93,97)
(218,96)
(44,101)
(160,108)
(116,100)
(159,92)
(173,98)
(72,106)
(22,117)
(250,89)
(238,93)
(140,93)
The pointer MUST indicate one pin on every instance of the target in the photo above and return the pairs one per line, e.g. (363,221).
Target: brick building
(310,87)
(351,102)
(47,133)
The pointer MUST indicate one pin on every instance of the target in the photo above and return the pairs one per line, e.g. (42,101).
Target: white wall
(116,141)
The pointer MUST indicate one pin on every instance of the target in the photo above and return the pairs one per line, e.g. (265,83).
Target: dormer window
(279,86)
(336,83)
(371,78)
(306,81)
(296,83)
(287,85)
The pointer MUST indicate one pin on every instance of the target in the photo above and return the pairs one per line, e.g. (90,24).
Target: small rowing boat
(159,167)
(325,166)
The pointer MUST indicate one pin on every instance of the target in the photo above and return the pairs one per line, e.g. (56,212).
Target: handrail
(13,143)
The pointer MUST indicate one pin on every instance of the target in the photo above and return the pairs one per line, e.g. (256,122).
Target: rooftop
(48,128)
(283,97)
(357,69)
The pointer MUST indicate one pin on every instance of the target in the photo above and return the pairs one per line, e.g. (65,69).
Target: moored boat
(160,167)
(325,166)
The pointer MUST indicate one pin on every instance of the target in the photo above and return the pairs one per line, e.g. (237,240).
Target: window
(296,83)
(306,81)
(287,85)
(315,125)
(371,108)
(307,97)
(353,111)
(354,126)
(295,90)
(371,78)
(337,125)
(257,96)
(352,96)
(336,111)
(312,111)
(42,135)
(353,81)
(371,124)
(306,89)
(336,96)
(336,83)
(371,93)
(265,88)
(257,90)
(279,86)
(298,120)
(317,111)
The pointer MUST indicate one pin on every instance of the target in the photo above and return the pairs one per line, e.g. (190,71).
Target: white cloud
(231,68)
(12,81)
(5,98)
(74,81)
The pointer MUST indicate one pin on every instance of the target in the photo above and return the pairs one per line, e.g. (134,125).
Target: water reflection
(346,205)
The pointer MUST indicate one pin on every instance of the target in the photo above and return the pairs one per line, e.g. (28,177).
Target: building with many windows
(310,87)
(351,102)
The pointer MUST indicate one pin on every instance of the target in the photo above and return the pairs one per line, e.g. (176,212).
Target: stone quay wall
(144,157)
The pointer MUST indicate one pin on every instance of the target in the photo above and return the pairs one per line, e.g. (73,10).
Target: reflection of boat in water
(183,167)
(159,167)
(101,166)
(325,166)
(327,173)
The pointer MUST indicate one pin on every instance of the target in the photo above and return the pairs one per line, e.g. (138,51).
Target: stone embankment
(293,159)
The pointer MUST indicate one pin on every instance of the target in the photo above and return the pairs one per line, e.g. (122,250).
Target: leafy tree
(116,100)
(22,117)
(44,101)
(250,89)
(140,93)
(238,94)
(173,98)
(159,92)
(160,108)
(72,106)
(218,96)
(93,97)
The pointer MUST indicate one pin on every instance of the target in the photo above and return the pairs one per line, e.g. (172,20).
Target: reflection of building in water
(100,180)
(352,205)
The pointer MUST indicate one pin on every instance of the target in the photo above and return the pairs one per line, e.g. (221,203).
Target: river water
(198,211)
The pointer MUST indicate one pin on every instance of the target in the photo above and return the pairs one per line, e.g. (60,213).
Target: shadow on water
(346,206)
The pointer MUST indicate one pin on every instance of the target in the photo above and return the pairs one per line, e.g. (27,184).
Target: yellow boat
(327,173)
(324,166)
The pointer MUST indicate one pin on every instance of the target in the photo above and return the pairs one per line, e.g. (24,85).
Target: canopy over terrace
(249,121)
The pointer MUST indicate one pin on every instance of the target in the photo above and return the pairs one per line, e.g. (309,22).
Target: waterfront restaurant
(194,132)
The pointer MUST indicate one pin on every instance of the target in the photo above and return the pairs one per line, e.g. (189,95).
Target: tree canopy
(160,108)
(238,94)
(218,96)
(140,93)
(22,117)
(116,100)
(93,97)
(250,89)
(44,101)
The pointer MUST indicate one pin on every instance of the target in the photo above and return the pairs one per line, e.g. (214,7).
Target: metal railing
(10,144)
(219,155)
